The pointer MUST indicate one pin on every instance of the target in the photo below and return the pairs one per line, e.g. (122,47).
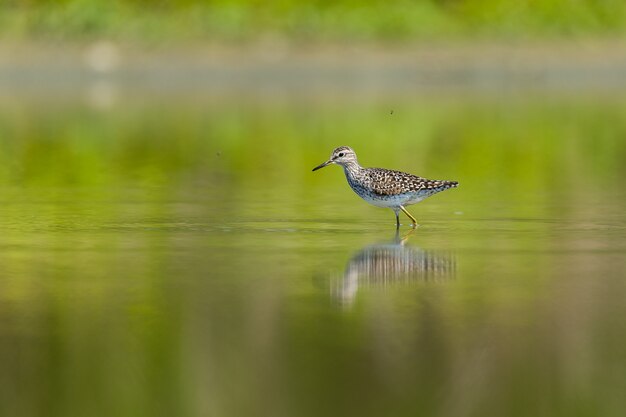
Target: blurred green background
(339,20)
(165,249)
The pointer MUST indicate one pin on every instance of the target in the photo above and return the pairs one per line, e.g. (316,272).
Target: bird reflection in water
(389,263)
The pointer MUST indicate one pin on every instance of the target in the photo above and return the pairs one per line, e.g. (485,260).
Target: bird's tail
(441,185)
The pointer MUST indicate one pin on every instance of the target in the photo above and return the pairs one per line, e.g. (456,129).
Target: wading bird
(384,187)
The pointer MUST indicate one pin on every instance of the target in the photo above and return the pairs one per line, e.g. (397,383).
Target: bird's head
(343,155)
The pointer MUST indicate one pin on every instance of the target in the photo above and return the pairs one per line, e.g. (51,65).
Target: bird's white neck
(351,169)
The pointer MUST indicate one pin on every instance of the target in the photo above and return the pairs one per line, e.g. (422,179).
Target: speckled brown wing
(388,182)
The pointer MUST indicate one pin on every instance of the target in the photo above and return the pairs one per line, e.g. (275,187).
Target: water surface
(165,257)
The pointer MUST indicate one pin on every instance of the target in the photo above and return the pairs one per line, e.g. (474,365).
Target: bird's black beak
(322,165)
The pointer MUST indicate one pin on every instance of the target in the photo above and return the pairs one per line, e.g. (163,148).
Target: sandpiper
(384,187)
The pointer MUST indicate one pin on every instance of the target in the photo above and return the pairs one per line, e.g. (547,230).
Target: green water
(168,256)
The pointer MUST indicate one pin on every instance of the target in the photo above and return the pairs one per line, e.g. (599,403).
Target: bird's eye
(340,154)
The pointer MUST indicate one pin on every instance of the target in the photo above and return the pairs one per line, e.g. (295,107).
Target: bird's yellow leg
(413,221)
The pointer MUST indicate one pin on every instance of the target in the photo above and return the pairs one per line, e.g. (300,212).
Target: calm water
(178,258)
